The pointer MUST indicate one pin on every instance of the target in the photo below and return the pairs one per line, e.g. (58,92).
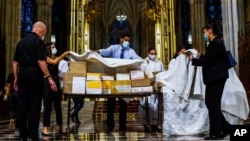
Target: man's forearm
(15,68)
(43,65)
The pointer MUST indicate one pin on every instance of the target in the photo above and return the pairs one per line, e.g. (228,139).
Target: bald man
(30,68)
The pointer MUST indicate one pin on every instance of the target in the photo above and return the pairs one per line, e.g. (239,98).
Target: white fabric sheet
(234,99)
(185,112)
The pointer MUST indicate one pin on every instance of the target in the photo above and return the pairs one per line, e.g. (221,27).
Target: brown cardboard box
(122,70)
(97,67)
(74,87)
(78,67)
(141,82)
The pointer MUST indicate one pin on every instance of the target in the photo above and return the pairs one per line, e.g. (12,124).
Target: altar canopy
(185,112)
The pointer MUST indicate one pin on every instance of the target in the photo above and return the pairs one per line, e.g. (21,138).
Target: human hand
(52,84)
(190,57)
(5,98)
(67,52)
(15,87)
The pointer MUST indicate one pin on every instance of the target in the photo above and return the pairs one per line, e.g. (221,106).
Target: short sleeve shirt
(29,50)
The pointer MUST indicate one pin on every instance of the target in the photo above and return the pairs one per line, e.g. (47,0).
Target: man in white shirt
(122,51)
(154,65)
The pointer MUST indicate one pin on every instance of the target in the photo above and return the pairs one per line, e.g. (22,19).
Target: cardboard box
(97,67)
(78,67)
(94,76)
(122,70)
(107,86)
(122,76)
(141,82)
(137,74)
(121,86)
(74,83)
(106,76)
(142,89)
(93,87)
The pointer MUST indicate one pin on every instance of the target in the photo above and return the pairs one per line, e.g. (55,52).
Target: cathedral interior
(80,25)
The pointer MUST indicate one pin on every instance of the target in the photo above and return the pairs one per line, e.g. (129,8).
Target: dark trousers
(122,113)
(218,123)
(13,105)
(49,97)
(30,90)
(78,104)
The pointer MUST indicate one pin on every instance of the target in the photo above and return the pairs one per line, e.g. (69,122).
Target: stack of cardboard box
(96,78)
(74,80)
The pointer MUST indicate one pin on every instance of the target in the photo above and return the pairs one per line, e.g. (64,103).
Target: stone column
(230,27)
(11,29)
(168,37)
(197,21)
(242,17)
(44,14)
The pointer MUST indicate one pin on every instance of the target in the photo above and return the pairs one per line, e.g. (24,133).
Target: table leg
(147,114)
(68,116)
(159,122)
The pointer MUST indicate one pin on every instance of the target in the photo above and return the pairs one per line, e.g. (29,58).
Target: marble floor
(94,130)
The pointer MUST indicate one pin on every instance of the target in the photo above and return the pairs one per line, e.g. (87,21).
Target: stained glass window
(27,16)
(116,29)
(214,11)
(185,22)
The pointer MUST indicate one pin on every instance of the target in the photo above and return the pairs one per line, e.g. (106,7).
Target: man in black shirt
(30,68)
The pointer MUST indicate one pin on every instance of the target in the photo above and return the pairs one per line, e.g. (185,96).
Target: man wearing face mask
(154,65)
(122,51)
(49,96)
(29,67)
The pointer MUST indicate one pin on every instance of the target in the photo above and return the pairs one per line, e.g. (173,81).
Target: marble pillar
(230,27)
(197,22)
(44,14)
(12,32)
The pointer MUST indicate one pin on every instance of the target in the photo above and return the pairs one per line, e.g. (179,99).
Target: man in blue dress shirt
(122,51)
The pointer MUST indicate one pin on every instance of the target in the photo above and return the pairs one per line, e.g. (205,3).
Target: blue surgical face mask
(205,37)
(125,44)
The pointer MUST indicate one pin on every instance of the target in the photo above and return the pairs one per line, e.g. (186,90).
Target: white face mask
(125,44)
(54,51)
(151,57)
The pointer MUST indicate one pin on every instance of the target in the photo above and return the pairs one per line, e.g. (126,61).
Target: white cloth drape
(184,111)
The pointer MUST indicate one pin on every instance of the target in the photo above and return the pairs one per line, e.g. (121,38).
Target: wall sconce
(189,38)
(53,38)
